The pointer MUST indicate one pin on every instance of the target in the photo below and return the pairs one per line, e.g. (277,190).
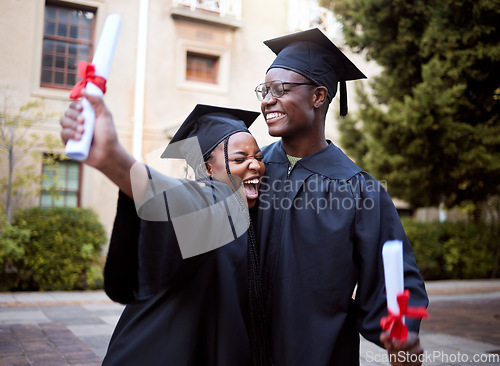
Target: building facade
(171,55)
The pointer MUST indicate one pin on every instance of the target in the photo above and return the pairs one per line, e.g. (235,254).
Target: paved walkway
(74,328)
(463,327)
(55,328)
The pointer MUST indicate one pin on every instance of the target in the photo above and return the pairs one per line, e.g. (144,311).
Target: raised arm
(106,153)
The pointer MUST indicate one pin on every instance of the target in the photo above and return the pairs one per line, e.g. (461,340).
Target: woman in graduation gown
(182,254)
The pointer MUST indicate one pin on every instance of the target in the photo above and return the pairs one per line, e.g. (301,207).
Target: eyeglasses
(276,87)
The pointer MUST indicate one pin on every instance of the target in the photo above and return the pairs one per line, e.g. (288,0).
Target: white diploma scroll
(392,255)
(103,56)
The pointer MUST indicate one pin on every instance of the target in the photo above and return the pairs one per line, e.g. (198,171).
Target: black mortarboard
(210,125)
(311,54)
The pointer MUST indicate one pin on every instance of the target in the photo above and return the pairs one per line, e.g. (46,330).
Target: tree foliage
(429,126)
(451,250)
(18,140)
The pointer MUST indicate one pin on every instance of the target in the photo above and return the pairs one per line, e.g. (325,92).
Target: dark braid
(259,341)
(200,169)
(238,194)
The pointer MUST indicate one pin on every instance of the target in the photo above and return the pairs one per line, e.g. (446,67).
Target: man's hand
(403,353)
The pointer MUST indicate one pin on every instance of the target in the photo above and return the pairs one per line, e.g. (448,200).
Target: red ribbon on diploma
(394,323)
(87,73)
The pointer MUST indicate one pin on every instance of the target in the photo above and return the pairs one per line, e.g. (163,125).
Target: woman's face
(245,164)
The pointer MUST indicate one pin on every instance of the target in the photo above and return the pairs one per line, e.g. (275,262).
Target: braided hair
(259,341)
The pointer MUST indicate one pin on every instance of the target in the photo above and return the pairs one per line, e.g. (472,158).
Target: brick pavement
(74,328)
(50,344)
(475,319)
(55,328)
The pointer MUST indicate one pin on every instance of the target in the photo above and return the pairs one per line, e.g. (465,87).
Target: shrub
(428,251)
(64,249)
(454,250)
(12,243)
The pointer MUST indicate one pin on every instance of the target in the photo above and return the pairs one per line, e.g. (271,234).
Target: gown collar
(329,161)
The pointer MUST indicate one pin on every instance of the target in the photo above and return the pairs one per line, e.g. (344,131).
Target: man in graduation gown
(321,220)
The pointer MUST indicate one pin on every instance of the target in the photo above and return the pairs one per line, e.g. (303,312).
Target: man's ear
(320,96)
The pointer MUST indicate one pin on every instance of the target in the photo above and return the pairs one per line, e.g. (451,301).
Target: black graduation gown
(321,227)
(179,312)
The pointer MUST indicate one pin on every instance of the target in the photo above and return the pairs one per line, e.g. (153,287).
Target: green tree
(429,126)
(18,141)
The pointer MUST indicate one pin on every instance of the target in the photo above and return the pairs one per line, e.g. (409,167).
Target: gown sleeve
(377,221)
(120,270)
(144,255)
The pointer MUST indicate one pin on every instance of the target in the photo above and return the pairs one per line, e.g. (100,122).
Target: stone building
(171,55)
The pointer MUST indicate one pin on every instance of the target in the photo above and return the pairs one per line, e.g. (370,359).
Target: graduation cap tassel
(343,98)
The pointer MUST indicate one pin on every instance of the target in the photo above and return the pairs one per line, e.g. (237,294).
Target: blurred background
(424,122)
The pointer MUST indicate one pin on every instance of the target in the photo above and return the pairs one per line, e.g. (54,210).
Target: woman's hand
(104,142)
(105,153)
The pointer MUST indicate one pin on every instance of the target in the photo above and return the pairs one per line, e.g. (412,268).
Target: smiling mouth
(274,115)
(251,187)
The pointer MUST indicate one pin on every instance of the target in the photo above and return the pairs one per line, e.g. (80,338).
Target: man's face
(292,114)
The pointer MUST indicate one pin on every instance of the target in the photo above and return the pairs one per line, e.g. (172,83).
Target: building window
(61,184)
(203,68)
(67,40)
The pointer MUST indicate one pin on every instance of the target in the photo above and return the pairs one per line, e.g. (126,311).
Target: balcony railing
(306,14)
(222,8)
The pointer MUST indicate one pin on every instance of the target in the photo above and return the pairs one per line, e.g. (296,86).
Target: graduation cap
(311,54)
(204,128)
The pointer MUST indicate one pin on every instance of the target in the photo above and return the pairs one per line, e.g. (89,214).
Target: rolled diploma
(103,56)
(392,255)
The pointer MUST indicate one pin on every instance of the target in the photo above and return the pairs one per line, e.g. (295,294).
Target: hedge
(451,250)
(63,251)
